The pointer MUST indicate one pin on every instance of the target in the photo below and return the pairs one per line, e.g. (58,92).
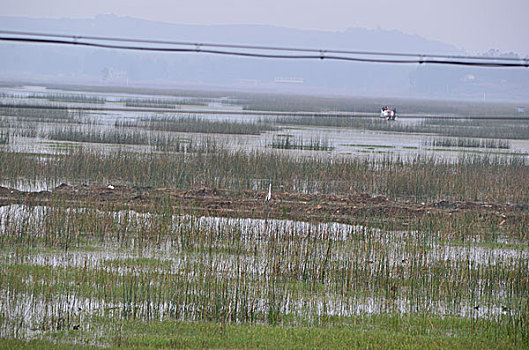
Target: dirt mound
(248,203)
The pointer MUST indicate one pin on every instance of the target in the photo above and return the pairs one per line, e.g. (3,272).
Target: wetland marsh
(147,228)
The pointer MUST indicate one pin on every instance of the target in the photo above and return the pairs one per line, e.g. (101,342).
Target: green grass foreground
(378,332)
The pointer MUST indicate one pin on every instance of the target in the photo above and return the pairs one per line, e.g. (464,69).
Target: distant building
(114,76)
(288,80)
(249,81)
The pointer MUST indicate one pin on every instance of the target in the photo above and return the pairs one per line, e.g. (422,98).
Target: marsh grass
(150,103)
(314,144)
(98,136)
(465,128)
(393,332)
(79,273)
(41,114)
(161,266)
(468,128)
(4,137)
(422,178)
(369,146)
(293,103)
(469,142)
(77,98)
(119,136)
(197,125)
(337,121)
(166,102)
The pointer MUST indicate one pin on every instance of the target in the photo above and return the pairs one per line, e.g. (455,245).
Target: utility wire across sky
(273,52)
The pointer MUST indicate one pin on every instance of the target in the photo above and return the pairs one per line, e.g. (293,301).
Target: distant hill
(103,66)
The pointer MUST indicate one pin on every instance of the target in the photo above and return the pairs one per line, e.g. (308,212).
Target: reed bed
(150,102)
(166,102)
(292,103)
(314,144)
(41,114)
(74,273)
(422,178)
(29,130)
(296,103)
(93,269)
(76,98)
(157,142)
(4,123)
(494,129)
(4,137)
(98,136)
(198,125)
(337,122)
(469,142)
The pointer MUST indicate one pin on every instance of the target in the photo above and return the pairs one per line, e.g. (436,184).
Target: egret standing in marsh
(269,195)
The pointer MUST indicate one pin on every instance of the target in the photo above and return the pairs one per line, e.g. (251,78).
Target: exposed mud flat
(252,204)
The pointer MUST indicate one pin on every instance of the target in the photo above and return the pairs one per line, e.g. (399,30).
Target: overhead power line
(255,47)
(260,51)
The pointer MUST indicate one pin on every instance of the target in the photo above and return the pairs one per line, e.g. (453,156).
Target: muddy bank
(251,204)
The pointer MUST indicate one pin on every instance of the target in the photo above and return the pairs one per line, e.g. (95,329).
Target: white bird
(269,195)
(110,187)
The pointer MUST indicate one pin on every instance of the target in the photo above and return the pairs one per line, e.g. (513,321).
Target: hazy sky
(473,25)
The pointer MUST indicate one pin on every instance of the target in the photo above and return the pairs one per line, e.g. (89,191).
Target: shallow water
(295,268)
(232,254)
(343,141)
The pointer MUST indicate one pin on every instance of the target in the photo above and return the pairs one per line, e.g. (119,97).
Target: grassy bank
(389,333)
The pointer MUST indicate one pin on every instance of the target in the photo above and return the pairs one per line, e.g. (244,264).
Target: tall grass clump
(314,144)
(77,98)
(4,137)
(41,114)
(339,122)
(119,136)
(477,128)
(150,103)
(80,134)
(198,125)
(469,142)
(166,102)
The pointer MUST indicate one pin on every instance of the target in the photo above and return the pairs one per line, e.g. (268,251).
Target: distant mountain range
(41,63)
